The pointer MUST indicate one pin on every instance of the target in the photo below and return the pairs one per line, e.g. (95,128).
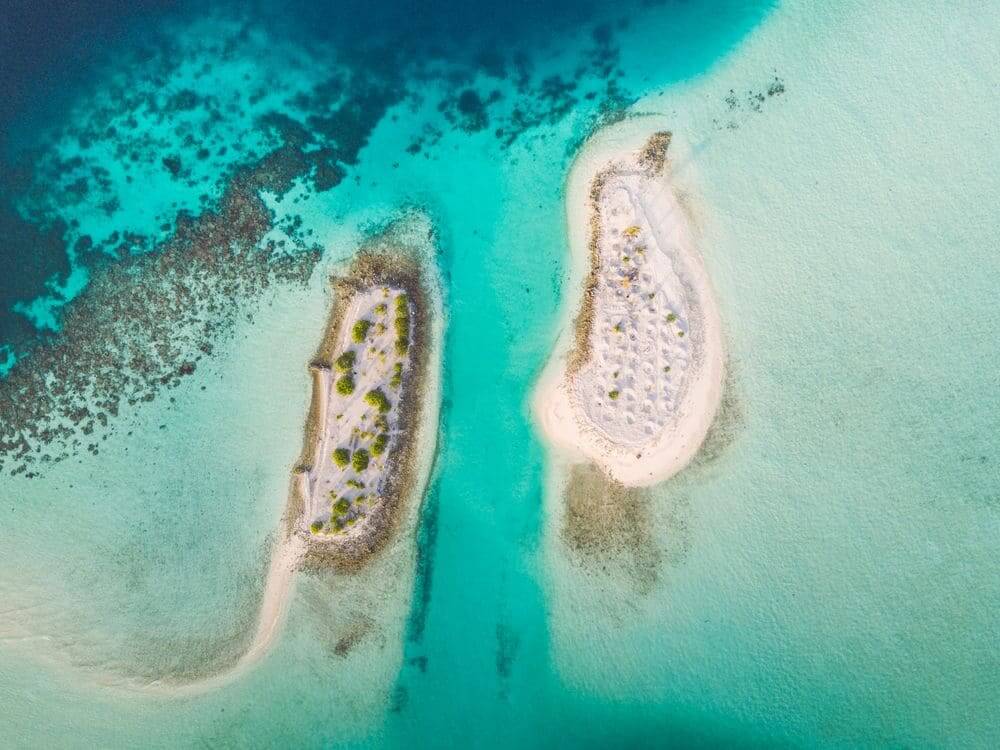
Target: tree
(360,460)
(360,330)
(345,385)
(345,361)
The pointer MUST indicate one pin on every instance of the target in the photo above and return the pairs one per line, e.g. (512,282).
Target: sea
(177,182)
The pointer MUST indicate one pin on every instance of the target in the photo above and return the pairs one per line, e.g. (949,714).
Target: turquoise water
(828,580)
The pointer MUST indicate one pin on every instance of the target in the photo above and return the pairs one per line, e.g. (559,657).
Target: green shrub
(671,317)
(613,395)
(342,457)
(345,385)
(378,399)
(402,346)
(345,361)
(341,506)
(402,326)
(355,484)
(681,334)
(381,422)
(380,444)
(360,330)
(360,460)
(402,305)
(315,527)
(380,308)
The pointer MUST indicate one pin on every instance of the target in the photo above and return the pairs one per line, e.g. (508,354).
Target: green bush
(380,308)
(380,444)
(360,330)
(345,385)
(316,526)
(402,326)
(355,484)
(613,395)
(402,346)
(397,375)
(342,457)
(345,361)
(341,506)
(402,305)
(671,317)
(360,460)
(378,399)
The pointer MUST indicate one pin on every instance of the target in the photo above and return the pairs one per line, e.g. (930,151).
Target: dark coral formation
(142,324)
(609,526)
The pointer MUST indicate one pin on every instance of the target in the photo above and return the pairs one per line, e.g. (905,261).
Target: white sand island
(370,435)
(637,379)
(360,456)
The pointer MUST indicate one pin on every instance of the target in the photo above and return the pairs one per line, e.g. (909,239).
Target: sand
(637,377)
(349,421)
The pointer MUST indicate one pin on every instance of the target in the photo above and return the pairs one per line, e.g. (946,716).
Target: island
(365,453)
(638,376)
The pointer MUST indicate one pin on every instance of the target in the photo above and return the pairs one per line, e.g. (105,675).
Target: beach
(637,375)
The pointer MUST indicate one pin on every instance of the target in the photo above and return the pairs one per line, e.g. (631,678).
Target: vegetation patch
(341,457)
(346,361)
(345,385)
(380,444)
(360,460)
(359,331)
(379,400)
(397,376)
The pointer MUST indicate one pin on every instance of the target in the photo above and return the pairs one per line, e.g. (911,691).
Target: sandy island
(360,458)
(637,379)
(371,432)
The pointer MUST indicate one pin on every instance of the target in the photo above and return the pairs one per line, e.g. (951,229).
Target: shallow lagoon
(827,579)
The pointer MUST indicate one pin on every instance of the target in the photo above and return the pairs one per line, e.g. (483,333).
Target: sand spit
(398,259)
(637,378)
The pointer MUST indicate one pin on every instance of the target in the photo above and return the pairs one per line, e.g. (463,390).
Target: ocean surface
(177,184)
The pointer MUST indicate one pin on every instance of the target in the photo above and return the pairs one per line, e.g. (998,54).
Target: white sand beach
(359,413)
(637,376)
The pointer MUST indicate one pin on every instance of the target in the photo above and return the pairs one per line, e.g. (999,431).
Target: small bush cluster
(379,400)
(402,324)
(381,309)
(360,330)
(380,444)
(354,483)
(345,361)
(316,526)
(341,457)
(341,506)
(397,375)
(360,460)
(345,385)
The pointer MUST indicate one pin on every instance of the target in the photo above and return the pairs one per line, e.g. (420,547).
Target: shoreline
(555,405)
(379,263)
(292,552)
